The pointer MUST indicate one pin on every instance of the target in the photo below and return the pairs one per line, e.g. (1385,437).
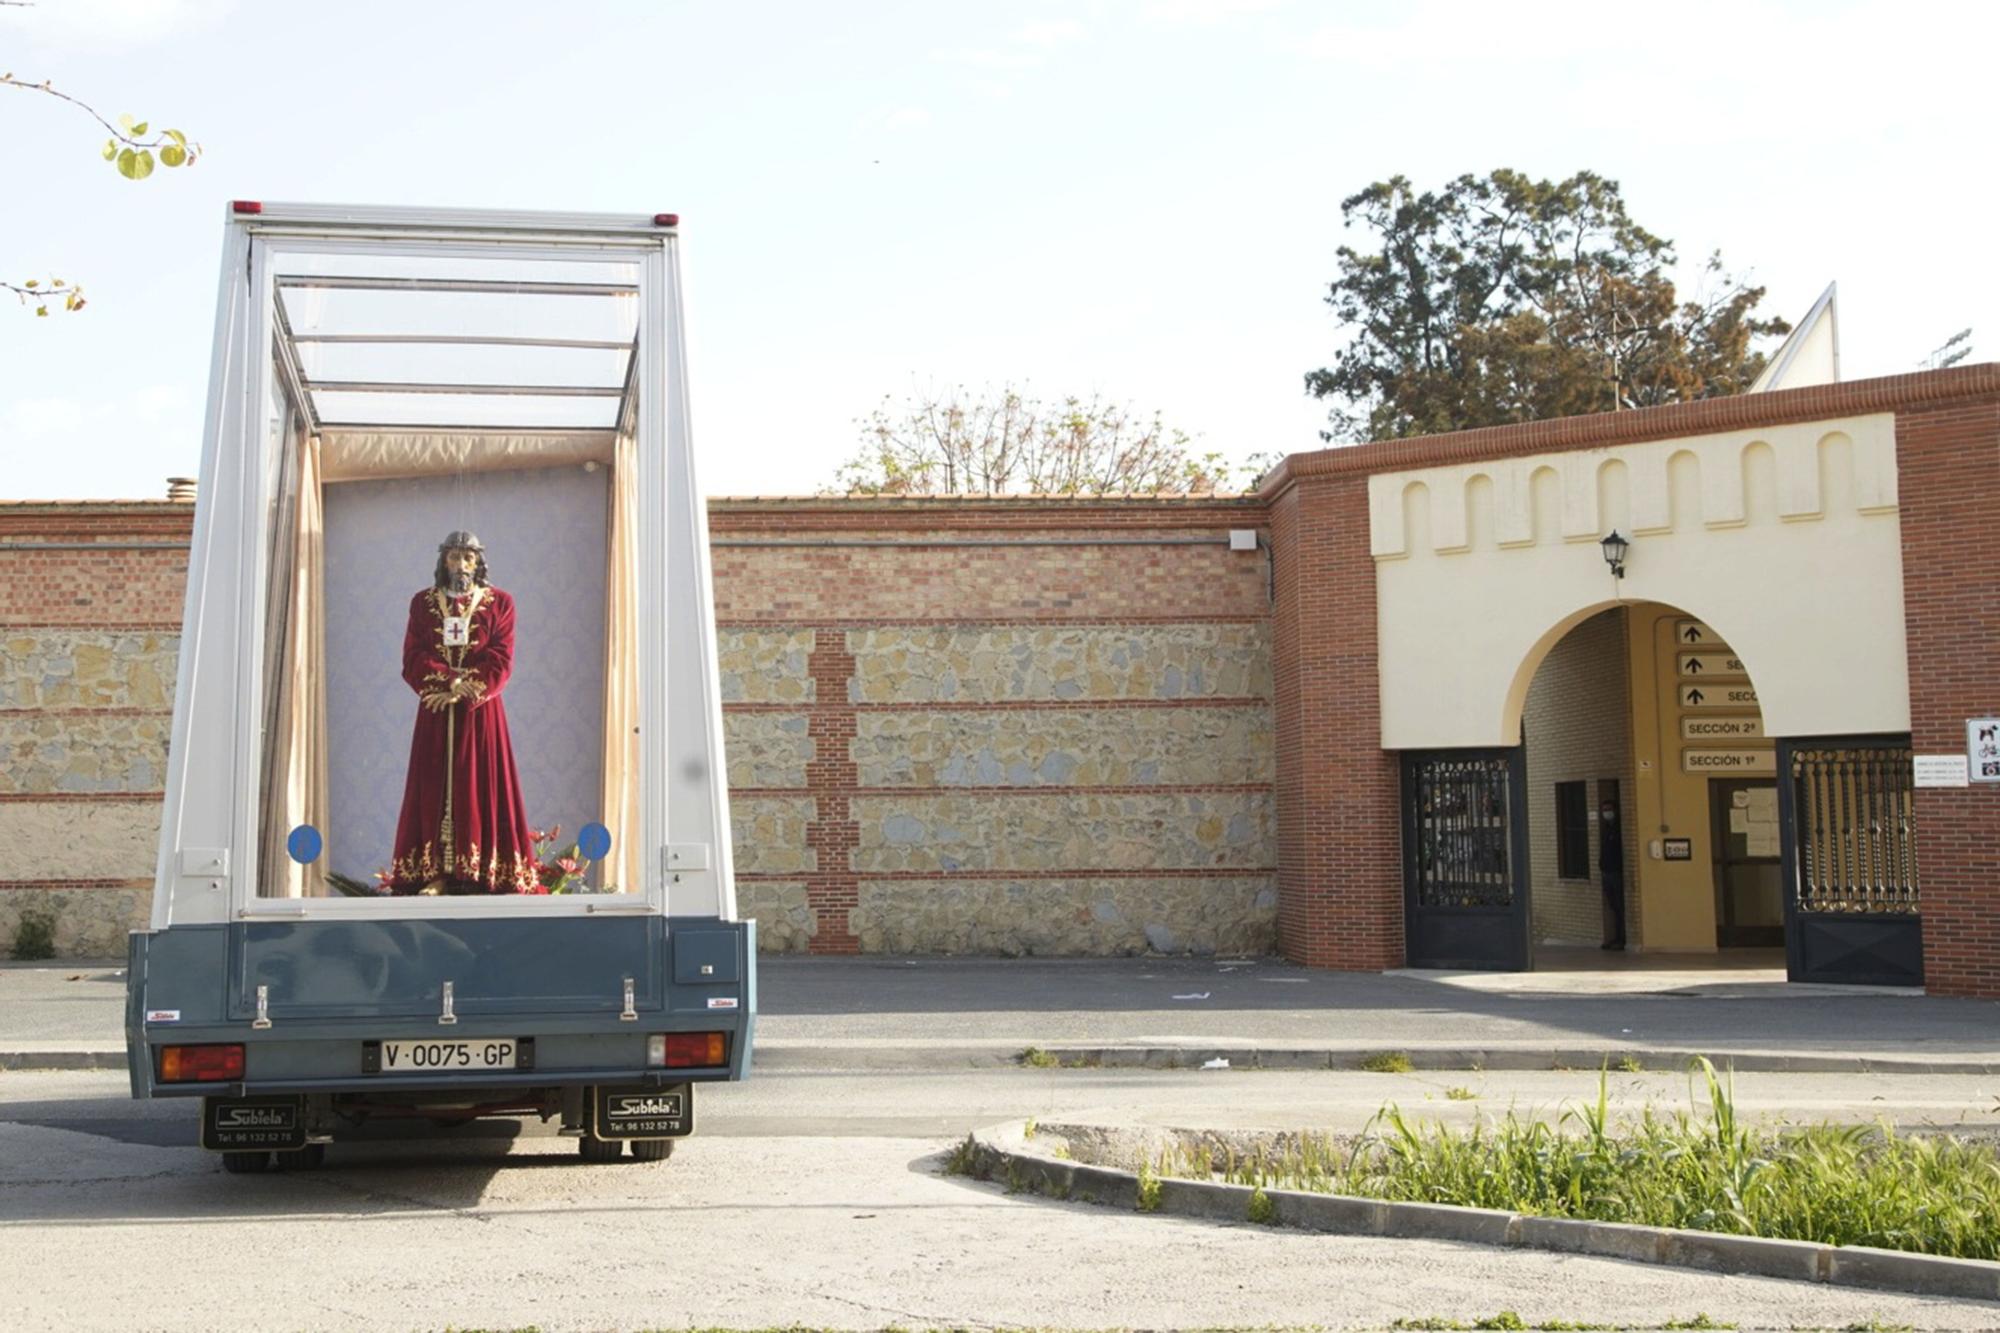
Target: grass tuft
(1461,1094)
(1387,1062)
(1037,1058)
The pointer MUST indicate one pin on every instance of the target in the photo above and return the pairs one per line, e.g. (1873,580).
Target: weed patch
(1701,1169)
(1387,1062)
(1037,1058)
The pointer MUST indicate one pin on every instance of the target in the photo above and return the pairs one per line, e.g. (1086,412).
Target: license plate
(432,1057)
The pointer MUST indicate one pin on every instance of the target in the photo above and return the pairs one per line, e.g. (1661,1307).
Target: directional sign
(1702,727)
(1755,762)
(1707,665)
(1719,695)
(1694,634)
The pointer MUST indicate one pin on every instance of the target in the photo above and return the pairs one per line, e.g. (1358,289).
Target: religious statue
(464,828)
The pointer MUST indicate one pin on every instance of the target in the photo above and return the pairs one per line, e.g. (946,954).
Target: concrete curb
(1004,1152)
(918,1056)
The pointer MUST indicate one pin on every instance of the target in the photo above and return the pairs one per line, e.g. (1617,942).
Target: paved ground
(892,1012)
(807,1197)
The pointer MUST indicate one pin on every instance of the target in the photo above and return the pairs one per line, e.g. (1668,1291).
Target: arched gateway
(1766,636)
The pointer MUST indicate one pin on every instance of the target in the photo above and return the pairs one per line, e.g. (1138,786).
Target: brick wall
(1340,897)
(1948,460)
(90,613)
(1577,725)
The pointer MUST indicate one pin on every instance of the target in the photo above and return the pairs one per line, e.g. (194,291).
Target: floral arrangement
(556,871)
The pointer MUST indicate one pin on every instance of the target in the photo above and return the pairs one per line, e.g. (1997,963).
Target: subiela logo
(255,1117)
(623,1106)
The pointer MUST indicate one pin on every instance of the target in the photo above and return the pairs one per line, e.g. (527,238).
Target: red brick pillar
(832,892)
(1948,464)
(1340,894)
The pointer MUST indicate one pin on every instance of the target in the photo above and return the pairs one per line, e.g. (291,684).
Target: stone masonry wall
(998,726)
(90,611)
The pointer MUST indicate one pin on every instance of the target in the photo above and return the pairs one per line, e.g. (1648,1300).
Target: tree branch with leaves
(133,149)
(1004,442)
(1500,299)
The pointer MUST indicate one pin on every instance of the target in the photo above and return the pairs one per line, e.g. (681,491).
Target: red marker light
(666,219)
(200,1064)
(687,1050)
(251,206)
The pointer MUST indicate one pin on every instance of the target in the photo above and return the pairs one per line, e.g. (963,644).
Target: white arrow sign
(1723,695)
(1704,665)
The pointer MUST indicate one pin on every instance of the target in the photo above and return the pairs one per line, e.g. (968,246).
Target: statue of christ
(464,828)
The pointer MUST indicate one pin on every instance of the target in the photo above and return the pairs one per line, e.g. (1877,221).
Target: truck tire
(653,1150)
(600,1150)
(246,1163)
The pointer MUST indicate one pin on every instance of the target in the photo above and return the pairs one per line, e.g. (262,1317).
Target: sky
(1133,199)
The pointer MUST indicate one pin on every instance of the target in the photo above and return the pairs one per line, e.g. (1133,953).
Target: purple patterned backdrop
(544,536)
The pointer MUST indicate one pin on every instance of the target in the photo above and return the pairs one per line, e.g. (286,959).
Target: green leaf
(173,155)
(178,137)
(41,310)
(139,129)
(135,166)
(33,283)
(110,149)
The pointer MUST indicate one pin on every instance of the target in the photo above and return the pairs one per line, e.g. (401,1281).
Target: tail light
(200,1064)
(688,1050)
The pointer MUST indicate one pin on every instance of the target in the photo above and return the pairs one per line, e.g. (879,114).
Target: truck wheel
(600,1150)
(309,1158)
(245,1163)
(653,1150)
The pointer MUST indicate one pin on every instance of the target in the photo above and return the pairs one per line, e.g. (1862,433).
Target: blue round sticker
(594,841)
(305,844)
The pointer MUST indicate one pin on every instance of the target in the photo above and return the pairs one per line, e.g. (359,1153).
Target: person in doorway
(1611,870)
(464,827)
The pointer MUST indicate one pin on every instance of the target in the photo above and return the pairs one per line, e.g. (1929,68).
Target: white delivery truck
(446,831)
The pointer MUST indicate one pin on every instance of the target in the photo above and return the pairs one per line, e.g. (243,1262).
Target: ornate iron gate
(1850,861)
(1465,846)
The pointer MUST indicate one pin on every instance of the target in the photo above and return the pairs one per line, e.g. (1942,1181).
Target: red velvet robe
(490,850)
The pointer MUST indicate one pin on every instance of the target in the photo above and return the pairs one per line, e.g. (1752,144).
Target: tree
(132,149)
(1501,299)
(1002,442)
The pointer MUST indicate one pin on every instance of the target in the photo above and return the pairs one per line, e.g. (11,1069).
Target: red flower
(568,864)
(536,835)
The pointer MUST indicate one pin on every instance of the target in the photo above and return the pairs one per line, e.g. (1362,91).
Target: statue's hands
(463,688)
(439,700)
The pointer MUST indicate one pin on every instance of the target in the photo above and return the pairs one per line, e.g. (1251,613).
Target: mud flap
(642,1113)
(253,1124)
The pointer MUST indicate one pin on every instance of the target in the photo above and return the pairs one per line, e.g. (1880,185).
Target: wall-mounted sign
(1702,727)
(1939,770)
(1753,762)
(1982,748)
(1678,849)
(1723,695)
(1704,665)
(1694,634)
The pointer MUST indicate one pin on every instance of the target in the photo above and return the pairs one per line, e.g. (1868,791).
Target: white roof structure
(1811,355)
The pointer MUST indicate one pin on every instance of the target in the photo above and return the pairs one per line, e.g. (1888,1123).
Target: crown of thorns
(461,541)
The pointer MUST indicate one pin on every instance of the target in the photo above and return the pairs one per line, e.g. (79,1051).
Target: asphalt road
(816,1198)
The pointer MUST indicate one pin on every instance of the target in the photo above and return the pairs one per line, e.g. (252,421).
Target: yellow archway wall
(1786,541)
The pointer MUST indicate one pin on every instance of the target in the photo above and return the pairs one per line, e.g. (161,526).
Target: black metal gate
(1847,833)
(1465,859)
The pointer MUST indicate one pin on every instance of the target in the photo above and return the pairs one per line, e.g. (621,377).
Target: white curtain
(621,673)
(299,765)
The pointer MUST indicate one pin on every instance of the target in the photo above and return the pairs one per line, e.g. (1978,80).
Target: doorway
(1746,863)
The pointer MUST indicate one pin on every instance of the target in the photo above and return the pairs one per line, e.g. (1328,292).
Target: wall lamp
(1615,547)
